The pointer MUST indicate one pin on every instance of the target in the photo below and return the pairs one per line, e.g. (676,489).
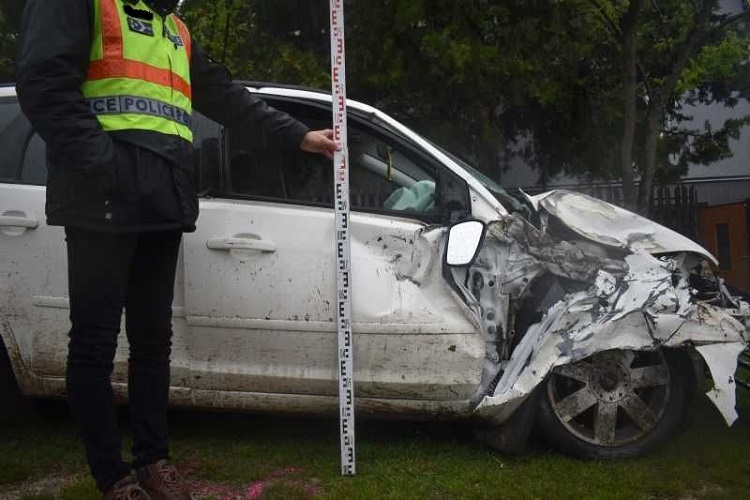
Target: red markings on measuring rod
(343,243)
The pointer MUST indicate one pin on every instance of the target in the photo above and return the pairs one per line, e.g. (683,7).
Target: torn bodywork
(551,296)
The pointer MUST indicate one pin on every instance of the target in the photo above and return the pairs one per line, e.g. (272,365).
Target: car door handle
(17,221)
(246,243)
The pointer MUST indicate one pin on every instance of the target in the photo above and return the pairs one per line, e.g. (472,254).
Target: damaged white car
(468,302)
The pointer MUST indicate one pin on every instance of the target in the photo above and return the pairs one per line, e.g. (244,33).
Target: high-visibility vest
(139,74)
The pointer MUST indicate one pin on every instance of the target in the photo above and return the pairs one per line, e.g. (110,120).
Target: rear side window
(23,153)
(8,110)
(15,135)
(34,168)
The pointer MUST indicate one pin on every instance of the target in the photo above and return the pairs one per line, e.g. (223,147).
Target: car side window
(256,167)
(385,175)
(207,154)
(15,134)
(23,152)
(382,176)
(34,167)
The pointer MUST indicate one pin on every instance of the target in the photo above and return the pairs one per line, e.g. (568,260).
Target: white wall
(739,164)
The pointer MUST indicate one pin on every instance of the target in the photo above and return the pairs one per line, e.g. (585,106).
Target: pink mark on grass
(255,490)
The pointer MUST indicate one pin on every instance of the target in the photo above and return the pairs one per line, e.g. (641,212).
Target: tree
(478,75)
(710,51)
(248,37)
(595,87)
(673,52)
(10,13)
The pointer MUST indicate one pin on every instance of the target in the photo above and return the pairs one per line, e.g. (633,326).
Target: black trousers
(107,272)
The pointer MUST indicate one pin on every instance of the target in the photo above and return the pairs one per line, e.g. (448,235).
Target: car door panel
(260,290)
(33,281)
(265,321)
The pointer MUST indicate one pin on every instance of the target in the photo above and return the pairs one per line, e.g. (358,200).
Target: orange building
(725,231)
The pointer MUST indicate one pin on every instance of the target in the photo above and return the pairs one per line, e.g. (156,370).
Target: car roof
(306,93)
(265,88)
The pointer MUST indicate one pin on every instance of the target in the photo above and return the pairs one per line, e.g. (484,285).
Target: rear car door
(34,305)
(33,271)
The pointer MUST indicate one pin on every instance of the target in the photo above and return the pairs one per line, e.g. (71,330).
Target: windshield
(477,174)
(506,199)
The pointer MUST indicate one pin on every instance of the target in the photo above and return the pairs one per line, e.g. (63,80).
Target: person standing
(110,85)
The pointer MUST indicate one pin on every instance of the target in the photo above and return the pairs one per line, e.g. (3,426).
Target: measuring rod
(342,241)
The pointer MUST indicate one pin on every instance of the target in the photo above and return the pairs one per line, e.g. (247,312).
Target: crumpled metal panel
(614,226)
(722,362)
(641,302)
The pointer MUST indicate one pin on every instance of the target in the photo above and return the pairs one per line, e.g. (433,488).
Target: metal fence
(677,207)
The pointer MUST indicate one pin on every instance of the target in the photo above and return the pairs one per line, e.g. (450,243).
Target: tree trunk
(661,98)
(653,128)
(227,23)
(630,60)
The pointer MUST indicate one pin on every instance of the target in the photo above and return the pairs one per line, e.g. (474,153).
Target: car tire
(10,398)
(616,404)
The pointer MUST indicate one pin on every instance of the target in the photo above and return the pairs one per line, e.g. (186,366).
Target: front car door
(259,272)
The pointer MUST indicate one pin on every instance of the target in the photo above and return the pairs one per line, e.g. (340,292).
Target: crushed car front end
(591,310)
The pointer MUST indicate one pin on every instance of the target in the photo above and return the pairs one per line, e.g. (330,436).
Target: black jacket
(122,181)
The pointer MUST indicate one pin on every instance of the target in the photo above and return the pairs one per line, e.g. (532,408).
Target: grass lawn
(237,456)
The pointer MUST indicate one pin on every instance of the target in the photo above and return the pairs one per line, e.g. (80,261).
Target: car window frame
(367,122)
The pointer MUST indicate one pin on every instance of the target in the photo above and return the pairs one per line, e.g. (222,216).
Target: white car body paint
(718,358)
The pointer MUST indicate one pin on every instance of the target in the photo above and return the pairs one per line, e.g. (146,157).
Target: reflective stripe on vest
(139,74)
(115,105)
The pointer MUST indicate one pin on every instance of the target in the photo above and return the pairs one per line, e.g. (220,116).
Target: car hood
(610,225)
